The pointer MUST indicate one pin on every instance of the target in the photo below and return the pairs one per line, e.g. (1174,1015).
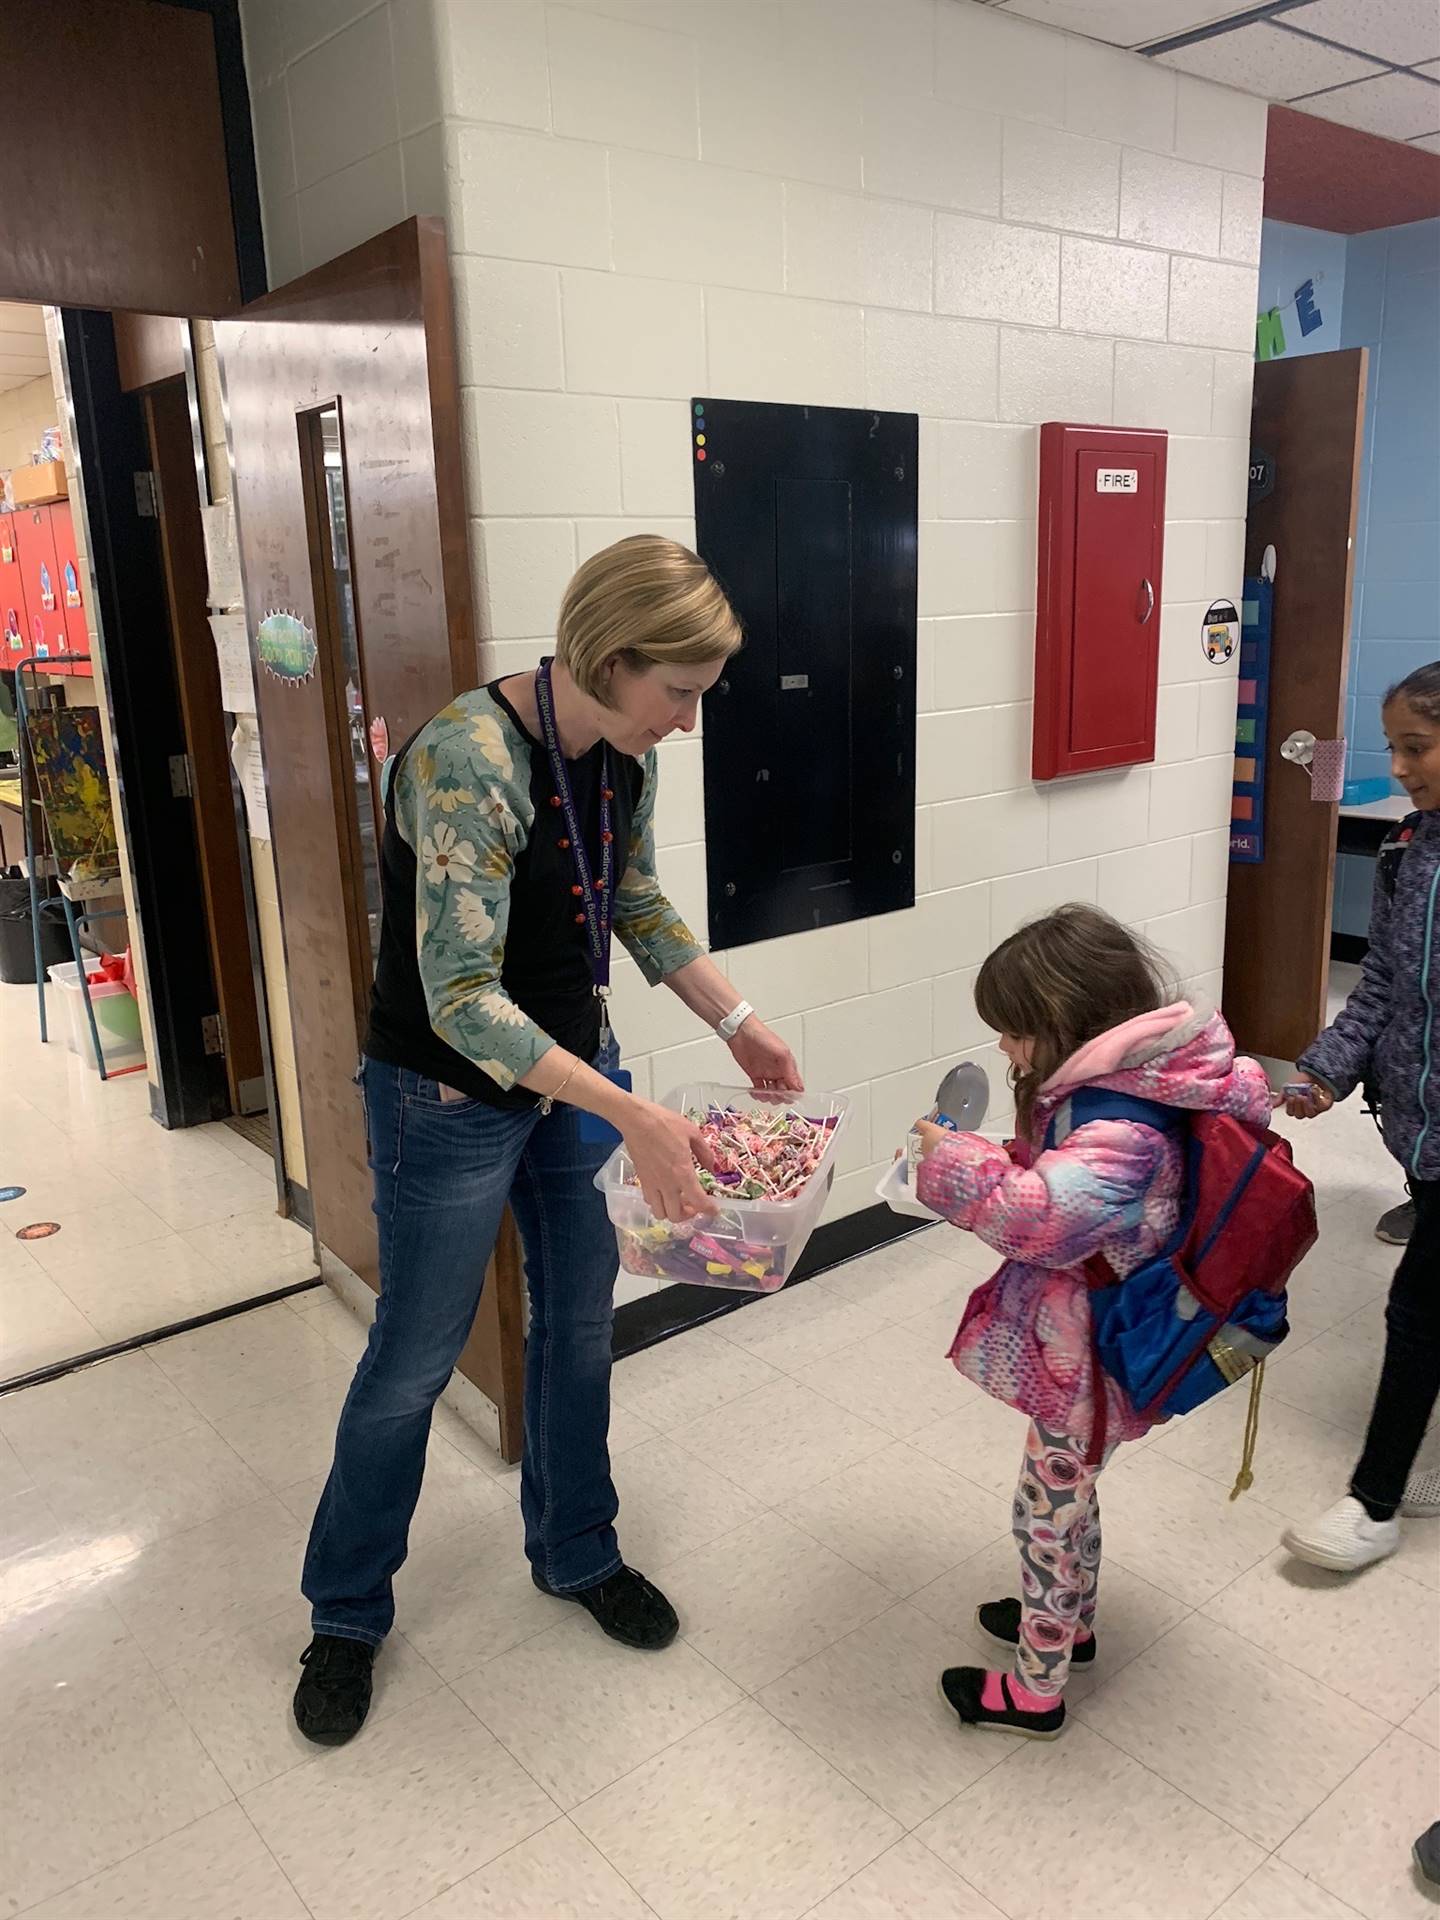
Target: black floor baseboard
(660,1316)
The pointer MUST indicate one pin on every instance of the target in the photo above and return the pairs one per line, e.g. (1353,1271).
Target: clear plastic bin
(117,1018)
(750,1245)
(65,976)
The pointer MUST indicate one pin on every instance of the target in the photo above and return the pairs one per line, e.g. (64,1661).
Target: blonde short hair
(647,601)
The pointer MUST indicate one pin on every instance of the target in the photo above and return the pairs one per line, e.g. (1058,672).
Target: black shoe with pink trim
(993,1706)
(1000,1619)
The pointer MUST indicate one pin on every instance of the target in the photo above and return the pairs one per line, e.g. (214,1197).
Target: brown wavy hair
(1060,982)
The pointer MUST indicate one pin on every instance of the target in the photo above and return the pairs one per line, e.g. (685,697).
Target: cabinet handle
(1149,593)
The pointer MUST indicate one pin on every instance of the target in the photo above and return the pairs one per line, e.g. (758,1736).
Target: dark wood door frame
(207,734)
(1309,419)
(149,730)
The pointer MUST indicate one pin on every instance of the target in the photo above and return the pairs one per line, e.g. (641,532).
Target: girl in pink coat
(1078,1002)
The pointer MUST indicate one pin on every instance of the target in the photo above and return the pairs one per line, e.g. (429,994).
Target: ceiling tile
(1124,23)
(1405,31)
(1261,59)
(1397,105)
(18,316)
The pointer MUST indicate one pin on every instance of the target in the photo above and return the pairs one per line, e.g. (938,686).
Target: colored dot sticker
(700,453)
(699,439)
(700,408)
(41,1230)
(11,1193)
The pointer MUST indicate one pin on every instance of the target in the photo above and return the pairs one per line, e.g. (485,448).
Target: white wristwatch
(734,1020)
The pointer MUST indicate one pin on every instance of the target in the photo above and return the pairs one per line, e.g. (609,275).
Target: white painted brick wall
(924,205)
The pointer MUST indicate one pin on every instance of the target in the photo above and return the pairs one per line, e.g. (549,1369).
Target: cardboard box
(33,486)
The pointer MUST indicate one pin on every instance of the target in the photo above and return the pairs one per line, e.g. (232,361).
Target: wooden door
(1308,419)
(197,674)
(344,417)
(117,190)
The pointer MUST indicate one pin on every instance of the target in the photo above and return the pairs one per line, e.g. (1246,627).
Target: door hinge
(147,495)
(182,784)
(212,1028)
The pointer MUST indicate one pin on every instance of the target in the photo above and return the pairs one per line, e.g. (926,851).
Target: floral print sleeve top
(502,964)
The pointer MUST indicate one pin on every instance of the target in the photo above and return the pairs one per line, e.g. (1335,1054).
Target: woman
(490,1079)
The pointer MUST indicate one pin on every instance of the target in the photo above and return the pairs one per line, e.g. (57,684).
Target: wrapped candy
(772,1167)
(766,1154)
(668,1253)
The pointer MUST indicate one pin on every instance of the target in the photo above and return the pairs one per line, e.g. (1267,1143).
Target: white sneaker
(1344,1539)
(1422,1494)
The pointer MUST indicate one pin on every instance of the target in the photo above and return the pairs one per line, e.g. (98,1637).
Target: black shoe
(963,1687)
(1396,1226)
(333,1696)
(627,1607)
(1001,1620)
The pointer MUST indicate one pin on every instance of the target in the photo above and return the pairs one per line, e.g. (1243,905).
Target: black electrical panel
(807,518)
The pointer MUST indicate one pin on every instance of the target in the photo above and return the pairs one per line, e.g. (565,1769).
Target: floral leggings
(1057,1528)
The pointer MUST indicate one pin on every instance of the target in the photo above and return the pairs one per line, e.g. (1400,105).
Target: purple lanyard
(596,897)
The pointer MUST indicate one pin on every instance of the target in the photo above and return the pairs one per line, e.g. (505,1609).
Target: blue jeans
(444,1172)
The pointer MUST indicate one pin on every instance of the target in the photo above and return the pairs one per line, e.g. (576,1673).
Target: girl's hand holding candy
(931,1136)
(1305,1098)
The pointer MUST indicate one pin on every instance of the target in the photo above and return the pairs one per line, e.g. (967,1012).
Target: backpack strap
(1392,852)
(1099,1103)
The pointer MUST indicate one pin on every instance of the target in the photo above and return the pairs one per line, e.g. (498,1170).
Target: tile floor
(826,1501)
(138,1208)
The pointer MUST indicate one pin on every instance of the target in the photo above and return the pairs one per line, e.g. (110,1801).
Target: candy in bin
(774,1162)
(697,1259)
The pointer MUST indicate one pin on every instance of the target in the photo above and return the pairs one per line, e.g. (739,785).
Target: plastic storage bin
(895,1186)
(117,1018)
(64,976)
(750,1245)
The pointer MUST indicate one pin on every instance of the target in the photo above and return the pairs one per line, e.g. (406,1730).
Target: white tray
(899,1195)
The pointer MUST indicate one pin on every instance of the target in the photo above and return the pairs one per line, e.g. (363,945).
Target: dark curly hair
(1420,689)
(1060,982)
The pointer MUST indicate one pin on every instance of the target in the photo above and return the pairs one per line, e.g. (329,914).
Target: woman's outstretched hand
(767,1060)
(664,1149)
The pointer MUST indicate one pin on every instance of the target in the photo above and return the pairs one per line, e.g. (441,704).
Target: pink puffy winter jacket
(1109,1186)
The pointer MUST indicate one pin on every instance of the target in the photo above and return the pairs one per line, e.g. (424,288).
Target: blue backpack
(1209,1306)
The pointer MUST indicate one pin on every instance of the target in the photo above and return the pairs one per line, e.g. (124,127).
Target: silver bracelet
(547,1101)
(734,1020)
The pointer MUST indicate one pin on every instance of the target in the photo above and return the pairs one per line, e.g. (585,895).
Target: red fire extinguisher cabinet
(1097,634)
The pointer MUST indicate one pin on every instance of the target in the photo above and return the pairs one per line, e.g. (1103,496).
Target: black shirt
(546,969)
